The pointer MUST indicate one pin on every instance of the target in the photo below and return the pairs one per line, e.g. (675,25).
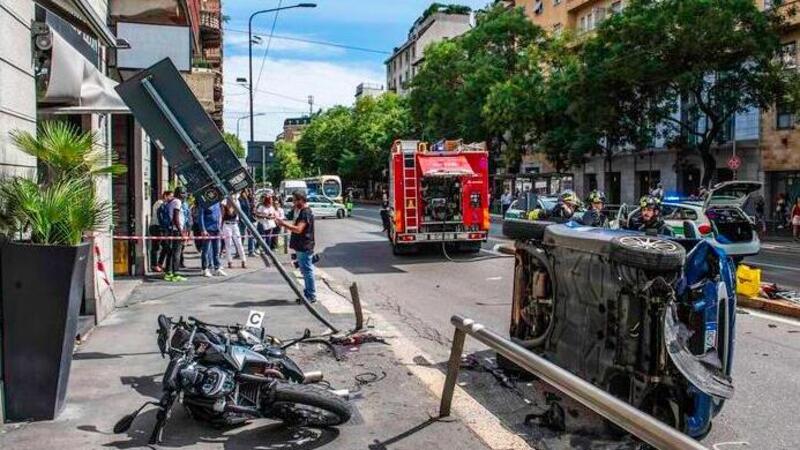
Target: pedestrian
(796,219)
(505,200)
(246,202)
(159,226)
(231,233)
(657,192)
(210,225)
(177,229)
(266,214)
(781,209)
(302,242)
(187,221)
(280,213)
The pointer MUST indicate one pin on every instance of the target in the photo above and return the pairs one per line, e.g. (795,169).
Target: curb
(780,307)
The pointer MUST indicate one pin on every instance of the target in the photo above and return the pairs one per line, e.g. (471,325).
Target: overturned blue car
(647,318)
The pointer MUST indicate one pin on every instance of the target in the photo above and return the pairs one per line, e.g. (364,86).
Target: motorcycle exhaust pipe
(315,376)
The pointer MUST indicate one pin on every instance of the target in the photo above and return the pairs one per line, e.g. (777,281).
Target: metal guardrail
(638,423)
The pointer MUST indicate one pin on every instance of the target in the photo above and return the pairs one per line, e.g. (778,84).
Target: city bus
(328,186)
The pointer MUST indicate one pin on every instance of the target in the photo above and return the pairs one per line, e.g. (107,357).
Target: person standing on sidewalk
(177,229)
(210,223)
(246,201)
(266,214)
(302,242)
(505,201)
(796,219)
(159,226)
(230,231)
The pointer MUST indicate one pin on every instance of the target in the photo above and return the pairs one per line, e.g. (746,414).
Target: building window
(556,2)
(789,54)
(784,118)
(557,29)
(582,23)
(538,7)
(616,7)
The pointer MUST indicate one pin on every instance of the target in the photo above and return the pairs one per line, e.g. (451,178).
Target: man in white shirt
(177,229)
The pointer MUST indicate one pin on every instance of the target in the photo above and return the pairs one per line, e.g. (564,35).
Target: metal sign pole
(266,251)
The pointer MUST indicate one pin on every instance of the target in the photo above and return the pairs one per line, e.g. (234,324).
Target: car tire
(648,253)
(523,230)
(340,214)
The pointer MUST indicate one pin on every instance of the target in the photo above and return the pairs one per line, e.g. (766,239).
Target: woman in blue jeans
(210,218)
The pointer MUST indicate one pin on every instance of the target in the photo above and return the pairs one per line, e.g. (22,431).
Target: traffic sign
(735,162)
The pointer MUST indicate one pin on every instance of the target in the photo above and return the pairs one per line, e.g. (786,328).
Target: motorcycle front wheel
(306,405)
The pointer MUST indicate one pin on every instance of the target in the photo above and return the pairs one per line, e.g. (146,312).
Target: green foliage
(287,164)
(63,151)
(354,141)
(57,214)
(235,144)
(708,59)
(451,90)
(63,205)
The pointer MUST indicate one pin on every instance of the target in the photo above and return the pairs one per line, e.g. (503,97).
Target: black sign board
(179,99)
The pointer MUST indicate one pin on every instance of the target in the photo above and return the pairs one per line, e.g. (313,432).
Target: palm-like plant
(63,151)
(63,205)
(58,214)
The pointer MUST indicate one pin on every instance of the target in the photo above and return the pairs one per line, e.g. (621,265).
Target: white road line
(773,317)
(773,266)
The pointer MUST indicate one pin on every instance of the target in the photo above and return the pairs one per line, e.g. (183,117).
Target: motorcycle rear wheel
(306,405)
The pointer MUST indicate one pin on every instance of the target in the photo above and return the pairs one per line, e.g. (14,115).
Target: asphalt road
(420,293)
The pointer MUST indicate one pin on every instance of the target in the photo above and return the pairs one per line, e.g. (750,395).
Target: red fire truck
(438,194)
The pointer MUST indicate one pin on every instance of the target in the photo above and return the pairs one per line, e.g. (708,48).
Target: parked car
(321,207)
(649,319)
(719,218)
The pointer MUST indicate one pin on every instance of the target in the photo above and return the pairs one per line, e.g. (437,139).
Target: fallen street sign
(162,83)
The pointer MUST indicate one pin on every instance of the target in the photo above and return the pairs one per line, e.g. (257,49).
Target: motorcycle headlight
(216,383)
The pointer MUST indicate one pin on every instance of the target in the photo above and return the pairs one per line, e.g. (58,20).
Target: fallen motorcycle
(225,375)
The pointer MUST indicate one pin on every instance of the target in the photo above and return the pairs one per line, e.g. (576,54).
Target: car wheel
(648,253)
(523,230)
(340,214)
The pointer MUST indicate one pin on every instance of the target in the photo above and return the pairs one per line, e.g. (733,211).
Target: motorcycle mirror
(125,423)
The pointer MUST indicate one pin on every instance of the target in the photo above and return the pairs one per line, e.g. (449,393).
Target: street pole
(250,52)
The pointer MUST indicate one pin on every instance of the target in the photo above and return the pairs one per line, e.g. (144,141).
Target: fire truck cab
(438,194)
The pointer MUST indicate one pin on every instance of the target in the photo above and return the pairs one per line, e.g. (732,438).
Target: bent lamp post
(177,124)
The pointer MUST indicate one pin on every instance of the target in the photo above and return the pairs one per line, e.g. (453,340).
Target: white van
(287,187)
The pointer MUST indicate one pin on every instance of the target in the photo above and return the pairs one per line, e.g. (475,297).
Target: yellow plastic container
(748,280)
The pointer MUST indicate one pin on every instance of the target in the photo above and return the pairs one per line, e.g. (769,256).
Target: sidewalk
(119,367)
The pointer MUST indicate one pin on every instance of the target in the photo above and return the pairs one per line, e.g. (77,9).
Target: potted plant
(44,262)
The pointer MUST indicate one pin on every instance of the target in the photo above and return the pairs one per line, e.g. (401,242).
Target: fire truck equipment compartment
(445,166)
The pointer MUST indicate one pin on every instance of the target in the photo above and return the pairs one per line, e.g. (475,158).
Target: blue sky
(293,70)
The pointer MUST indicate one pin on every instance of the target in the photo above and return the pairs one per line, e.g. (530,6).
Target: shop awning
(76,86)
(445,166)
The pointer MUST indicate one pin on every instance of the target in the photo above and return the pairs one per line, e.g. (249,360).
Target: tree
(355,141)
(235,144)
(286,165)
(450,91)
(690,65)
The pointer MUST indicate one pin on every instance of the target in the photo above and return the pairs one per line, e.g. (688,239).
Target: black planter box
(42,288)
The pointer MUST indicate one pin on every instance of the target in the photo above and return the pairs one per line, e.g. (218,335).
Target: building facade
(433,26)
(369,90)
(766,141)
(293,128)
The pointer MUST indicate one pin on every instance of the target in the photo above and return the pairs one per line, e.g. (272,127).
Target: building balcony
(202,82)
(210,21)
(572,5)
(213,54)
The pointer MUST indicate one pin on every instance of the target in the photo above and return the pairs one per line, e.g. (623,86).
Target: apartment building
(762,139)
(369,90)
(434,25)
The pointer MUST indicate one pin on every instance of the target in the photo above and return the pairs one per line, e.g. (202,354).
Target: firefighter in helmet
(649,219)
(566,206)
(595,216)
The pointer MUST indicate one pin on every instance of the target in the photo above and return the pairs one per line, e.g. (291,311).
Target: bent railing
(636,422)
